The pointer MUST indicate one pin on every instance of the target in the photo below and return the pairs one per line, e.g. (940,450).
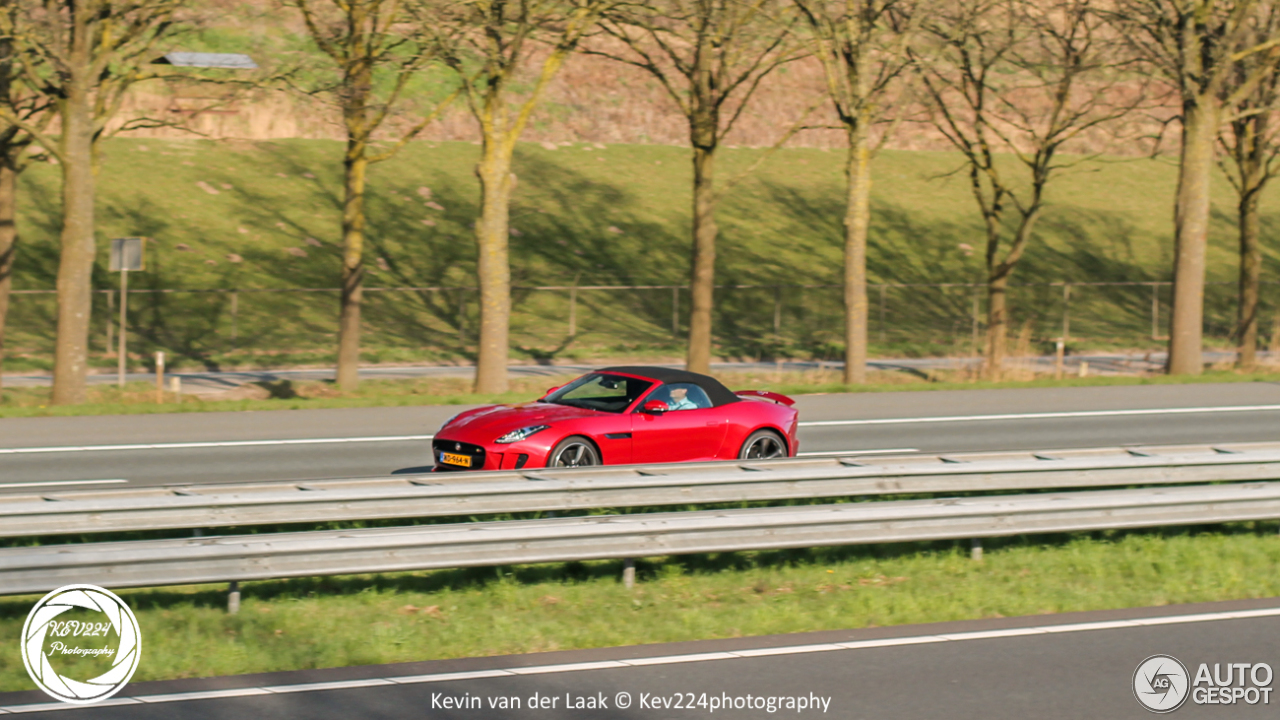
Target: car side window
(609,393)
(682,396)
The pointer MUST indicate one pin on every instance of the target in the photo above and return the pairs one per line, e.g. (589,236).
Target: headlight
(521,434)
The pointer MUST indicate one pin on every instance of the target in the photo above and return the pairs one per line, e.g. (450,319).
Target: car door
(677,435)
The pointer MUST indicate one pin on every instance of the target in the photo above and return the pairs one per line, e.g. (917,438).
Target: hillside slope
(236,214)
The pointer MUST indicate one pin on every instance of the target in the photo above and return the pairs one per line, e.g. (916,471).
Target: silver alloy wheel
(574,453)
(764,446)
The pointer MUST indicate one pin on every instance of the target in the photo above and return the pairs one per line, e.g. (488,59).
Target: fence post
(882,325)
(976,350)
(975,549)
(122,351)
(462,316)
(159,376)
(629,573)
(573,311)
(111,308)
(777,309)
(1066,312)
(1155,310)
(235,315)
(675,311)
(233,598)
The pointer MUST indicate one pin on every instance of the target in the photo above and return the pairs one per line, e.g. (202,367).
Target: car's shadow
(414,470)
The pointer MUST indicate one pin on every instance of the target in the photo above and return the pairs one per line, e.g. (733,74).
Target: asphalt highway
(1077,665)
(141,450)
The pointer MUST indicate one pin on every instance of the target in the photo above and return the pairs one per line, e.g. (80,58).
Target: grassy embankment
(265,215)
(331,622)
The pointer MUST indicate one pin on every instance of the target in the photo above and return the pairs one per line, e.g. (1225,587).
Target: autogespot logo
(59,649)
(1160,683)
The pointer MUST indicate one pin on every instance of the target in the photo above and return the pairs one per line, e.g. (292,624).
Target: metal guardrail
(209,506)
(253,557)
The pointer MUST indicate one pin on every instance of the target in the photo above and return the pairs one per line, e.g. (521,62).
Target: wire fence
(750,321)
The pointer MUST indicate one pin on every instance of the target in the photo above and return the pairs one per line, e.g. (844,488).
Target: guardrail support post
(233,599)
(975,549)
(629,573)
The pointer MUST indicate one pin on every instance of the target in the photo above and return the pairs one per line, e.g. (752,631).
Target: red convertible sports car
(621,415)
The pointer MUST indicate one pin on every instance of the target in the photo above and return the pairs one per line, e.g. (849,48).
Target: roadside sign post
(126,255)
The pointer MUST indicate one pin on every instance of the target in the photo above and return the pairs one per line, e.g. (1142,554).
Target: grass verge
(140,398)
(333,622)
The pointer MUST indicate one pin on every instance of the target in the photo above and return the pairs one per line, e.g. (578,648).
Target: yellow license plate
(451,459)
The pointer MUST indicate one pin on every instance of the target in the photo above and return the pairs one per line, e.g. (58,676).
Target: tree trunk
(1191,228)
(702,279)
(494,266)
(857,219)
(353,220)
(75,267)
(8,247)
(997,325)
(1250,275)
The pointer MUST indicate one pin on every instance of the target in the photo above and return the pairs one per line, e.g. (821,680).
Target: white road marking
(885,451)
(663,660)
(1045,415)
(48,483)
(210,444)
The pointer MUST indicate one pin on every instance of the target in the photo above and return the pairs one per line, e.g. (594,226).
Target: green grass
(332,622)
(140,398)
(617,215)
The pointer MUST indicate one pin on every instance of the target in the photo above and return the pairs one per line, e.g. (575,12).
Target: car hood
(502,419)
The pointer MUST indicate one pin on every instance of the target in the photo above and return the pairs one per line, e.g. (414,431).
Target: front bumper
(511,457)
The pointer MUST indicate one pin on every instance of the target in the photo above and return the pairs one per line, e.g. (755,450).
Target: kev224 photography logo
(81,644)
(1162,684)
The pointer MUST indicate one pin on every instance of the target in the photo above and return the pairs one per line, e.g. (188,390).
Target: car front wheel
(575,451)
(763,445)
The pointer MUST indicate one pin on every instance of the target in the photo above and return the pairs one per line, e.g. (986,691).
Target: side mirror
(553,389)
(654,407)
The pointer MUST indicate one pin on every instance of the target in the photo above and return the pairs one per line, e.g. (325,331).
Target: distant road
(1070,666)
(138,450)
(206,382)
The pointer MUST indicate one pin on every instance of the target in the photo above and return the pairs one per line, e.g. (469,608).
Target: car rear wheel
(575,451)
(763,445)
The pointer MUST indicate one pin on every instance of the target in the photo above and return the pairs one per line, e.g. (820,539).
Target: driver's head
(678,393)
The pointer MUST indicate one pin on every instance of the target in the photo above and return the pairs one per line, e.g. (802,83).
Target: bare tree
(376,52)
(862,47)
(1024,78)
(82,55)
(1199,47)
(1250,143)
(15,142)
(710,56)
(494,42)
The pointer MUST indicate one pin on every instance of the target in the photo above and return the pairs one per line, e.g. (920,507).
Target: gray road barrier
(457,494)
(252,557)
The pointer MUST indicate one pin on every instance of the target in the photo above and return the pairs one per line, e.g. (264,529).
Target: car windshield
(600,391)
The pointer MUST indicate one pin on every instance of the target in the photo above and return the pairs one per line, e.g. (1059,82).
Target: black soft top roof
(719,394)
